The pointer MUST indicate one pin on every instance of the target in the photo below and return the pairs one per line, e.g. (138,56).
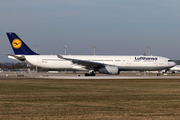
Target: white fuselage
(136,63)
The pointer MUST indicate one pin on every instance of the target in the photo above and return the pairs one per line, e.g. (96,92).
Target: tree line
(13,66)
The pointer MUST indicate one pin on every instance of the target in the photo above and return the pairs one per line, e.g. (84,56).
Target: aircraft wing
(83,62)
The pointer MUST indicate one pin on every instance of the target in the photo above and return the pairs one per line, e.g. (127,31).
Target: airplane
(105,64)
(173,69)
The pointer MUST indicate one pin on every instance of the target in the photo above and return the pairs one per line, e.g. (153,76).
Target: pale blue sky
(115,27)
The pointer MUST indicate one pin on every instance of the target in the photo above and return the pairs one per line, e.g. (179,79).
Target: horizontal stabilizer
(20,58)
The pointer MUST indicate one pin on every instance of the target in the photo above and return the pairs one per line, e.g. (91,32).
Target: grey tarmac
(63,75)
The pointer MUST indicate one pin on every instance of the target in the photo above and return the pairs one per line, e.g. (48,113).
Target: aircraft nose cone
(173,64)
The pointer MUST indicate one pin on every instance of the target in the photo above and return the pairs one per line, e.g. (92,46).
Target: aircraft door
(160,62)
(128,61)
(39,60)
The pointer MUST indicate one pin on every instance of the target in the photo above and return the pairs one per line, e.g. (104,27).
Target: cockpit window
(169,60)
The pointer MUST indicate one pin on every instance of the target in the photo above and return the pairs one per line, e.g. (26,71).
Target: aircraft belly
(146,66)
(142,68)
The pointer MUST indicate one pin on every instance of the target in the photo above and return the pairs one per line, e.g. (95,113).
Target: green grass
(89,99)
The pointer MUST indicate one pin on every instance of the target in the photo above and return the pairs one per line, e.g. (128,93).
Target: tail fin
(19,47)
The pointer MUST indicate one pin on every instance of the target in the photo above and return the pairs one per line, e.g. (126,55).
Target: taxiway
(45,75)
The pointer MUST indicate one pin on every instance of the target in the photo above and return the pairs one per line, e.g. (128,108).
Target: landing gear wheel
(158,74)
(87,74)
(92,74)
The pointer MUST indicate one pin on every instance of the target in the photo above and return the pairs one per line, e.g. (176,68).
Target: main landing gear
(158,74)
(90,74)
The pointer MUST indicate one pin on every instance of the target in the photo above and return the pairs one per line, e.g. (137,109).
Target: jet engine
(114,70)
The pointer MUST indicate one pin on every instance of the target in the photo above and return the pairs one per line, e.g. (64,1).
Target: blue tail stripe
(21,48)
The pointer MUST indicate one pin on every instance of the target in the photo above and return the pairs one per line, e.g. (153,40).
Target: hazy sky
(115,27)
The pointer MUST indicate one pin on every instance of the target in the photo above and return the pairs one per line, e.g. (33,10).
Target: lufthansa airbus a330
(106,64)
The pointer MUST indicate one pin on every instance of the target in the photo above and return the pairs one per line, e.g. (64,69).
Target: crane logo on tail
(16,43)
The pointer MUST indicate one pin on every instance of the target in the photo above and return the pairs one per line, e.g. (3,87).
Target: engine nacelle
(114,70)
